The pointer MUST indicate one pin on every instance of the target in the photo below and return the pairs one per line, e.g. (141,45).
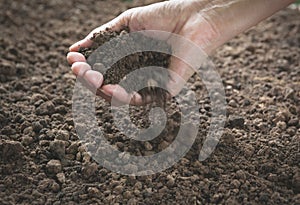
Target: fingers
(94,78)
(79,68)
(91,79)
(73,57)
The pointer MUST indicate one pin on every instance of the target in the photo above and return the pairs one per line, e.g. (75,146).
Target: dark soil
(103,57)
(43,162)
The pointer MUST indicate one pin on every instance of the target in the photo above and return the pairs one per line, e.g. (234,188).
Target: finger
(73,57)
(79,68)
(91,79)
(94,78)
(121,96)
(84,43)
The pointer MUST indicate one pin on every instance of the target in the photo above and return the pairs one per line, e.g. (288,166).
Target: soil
(43,162)
(110,44)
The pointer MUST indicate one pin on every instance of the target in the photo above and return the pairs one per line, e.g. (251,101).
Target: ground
(43,162)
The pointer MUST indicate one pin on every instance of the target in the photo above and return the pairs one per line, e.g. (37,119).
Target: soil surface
(43,162)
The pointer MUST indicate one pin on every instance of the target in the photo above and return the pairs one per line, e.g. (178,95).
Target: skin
(209,24)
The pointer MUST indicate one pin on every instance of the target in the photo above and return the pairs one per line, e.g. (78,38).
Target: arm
(232,17)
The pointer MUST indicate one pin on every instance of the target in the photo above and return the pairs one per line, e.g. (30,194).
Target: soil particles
(42,160)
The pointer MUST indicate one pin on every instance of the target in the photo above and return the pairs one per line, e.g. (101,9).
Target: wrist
(232,17)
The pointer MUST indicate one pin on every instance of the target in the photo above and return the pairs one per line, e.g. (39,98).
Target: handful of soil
(117,54)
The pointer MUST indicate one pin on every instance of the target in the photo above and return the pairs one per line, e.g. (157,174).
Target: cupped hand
(179,17)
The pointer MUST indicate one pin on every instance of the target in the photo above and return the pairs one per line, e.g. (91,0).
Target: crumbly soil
(110,45)
(43,162)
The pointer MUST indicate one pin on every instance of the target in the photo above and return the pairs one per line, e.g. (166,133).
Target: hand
(208,25)
(179,17)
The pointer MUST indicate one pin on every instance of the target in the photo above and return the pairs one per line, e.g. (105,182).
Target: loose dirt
(43,162)
(108,45)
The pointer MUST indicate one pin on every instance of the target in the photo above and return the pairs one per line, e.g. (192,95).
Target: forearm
(229,18)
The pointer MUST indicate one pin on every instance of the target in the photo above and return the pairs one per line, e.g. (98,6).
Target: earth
(42,160)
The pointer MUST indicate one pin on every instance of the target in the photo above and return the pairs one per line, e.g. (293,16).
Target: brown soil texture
(43,162)
(109,45)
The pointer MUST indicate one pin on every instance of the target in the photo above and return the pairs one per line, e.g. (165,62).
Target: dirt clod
(54,167)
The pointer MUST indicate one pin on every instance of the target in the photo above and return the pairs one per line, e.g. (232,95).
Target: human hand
(206,24)
(179,17)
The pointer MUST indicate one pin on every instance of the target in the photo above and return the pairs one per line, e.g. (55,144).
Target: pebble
(280,116)
(7,68)
(21,68)
(11,151)
(249,151)
(62,135)
(89,170)
(19,118)
(28,131)
(232,103)
(54,167)
(119,189)
(241,175)
(58,149)
(36,126)
(246,102)
(127,194)
(228,136)
(272,177)
(61,109)
(296,181)
(163,145)
(235,183)
(55,187)
(281,125)
(93,191)
(171,181)
(132,201)
(148,146)
(293,122)
(291,131)
(37,97)
(236,122)
(27,140)
(57,117)
(86,157)
(44,184)
(138,185)
(73,148)
(61,178)
(46,108)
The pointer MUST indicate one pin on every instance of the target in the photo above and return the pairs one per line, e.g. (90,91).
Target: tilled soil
(43,162)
